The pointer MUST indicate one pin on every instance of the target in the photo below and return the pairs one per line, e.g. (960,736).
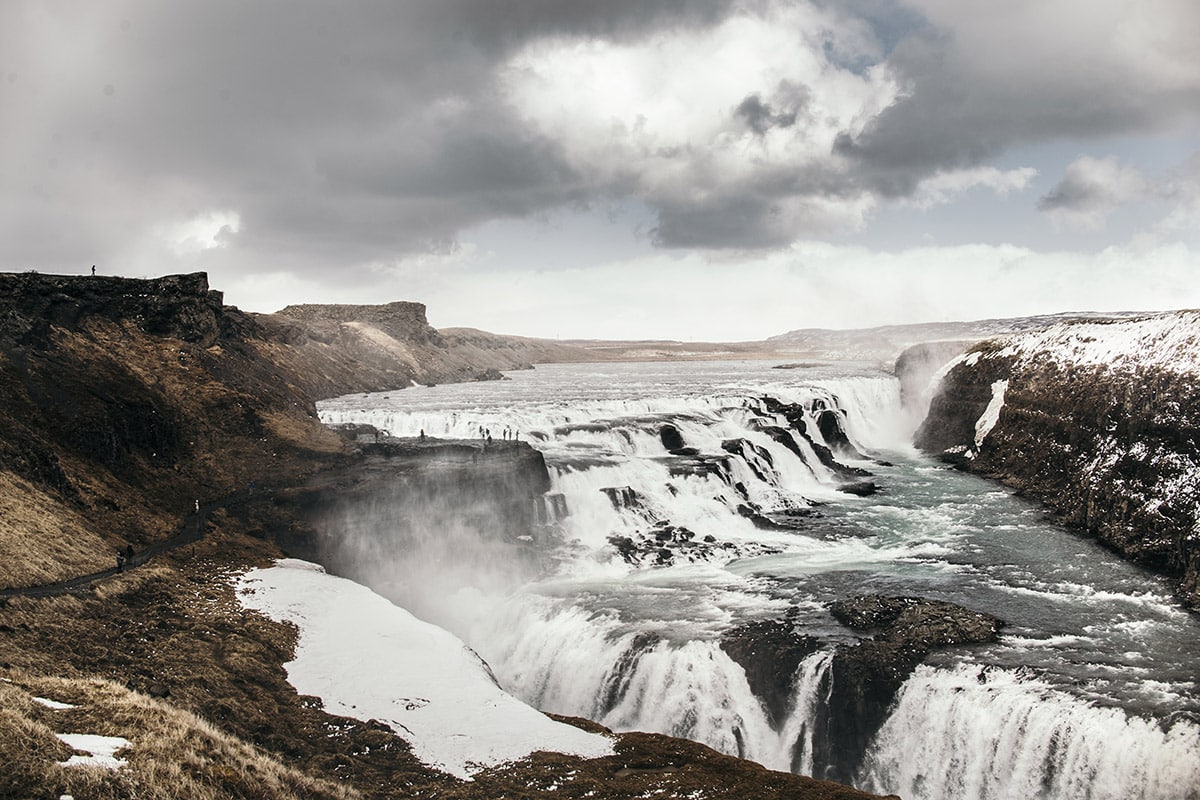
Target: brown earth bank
(1111,445)
(124,404)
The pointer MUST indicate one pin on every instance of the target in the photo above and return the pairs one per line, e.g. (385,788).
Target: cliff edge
(1099,420)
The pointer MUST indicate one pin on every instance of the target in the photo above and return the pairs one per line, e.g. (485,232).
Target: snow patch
(54,704)
(369,659)
(101,750)
(987,421)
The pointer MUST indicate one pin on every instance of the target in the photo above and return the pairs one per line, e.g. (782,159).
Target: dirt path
(192,530)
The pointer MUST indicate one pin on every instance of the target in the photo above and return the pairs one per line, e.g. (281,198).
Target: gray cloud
(760,117)
(981,81)
(344,135)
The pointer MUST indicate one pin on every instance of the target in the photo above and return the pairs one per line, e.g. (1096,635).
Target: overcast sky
(688,169)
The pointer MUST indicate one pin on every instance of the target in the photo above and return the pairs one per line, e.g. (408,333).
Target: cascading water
(689,500)
(991,733)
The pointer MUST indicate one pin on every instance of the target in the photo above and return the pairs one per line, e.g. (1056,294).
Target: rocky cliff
(338,349)
(1100,421)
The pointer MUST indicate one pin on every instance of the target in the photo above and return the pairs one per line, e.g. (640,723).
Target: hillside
(1099,420)
(147,417)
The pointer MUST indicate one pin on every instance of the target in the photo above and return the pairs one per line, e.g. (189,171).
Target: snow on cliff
(1166,341)
(369,659)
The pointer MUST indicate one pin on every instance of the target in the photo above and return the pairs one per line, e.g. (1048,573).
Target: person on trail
(422,435)
(93,270)
(129,553)
(120,560)
(197,506)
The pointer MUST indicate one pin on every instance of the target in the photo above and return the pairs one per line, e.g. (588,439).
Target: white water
(1093,642)
(1040,742)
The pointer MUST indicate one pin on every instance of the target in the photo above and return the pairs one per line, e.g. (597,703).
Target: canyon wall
(1100,421)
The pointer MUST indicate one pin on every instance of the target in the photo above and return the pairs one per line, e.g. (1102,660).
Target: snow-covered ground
(369,659)
(1168,341)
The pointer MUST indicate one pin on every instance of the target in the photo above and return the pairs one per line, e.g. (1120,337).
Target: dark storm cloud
(742,221)
(972,93)
(369,130)
(346,133)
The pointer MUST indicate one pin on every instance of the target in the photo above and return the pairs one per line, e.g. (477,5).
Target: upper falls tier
(1099,420)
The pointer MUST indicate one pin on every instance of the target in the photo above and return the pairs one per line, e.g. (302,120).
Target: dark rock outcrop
(1099,421)
(867,676)
(176,306)
(795,416)
(670,437)
(770,652)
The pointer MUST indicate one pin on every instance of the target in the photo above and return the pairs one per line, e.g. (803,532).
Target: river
(1091,691)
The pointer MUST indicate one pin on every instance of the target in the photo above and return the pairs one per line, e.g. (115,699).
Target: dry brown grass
(43,539)
(302,432)
(173,753)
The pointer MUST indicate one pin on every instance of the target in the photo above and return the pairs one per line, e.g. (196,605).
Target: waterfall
(564,660)
(992,734)
(684,505)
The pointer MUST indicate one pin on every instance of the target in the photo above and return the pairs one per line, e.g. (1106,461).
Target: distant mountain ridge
(885,342)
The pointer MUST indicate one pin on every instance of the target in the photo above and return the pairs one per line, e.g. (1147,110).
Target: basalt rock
(671,438)
(795,415)
(176,306)
(770,652)
(867,675)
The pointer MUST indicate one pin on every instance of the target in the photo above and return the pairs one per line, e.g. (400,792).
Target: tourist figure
(197,506)
(120,560)
(421,436)
(93,270)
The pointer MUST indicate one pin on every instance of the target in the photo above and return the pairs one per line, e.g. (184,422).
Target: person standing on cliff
(93,270)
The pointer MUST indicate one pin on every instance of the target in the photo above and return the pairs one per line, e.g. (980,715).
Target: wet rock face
(867,676)
(1113,450)
(770,651)
(671,438)
(915,621)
